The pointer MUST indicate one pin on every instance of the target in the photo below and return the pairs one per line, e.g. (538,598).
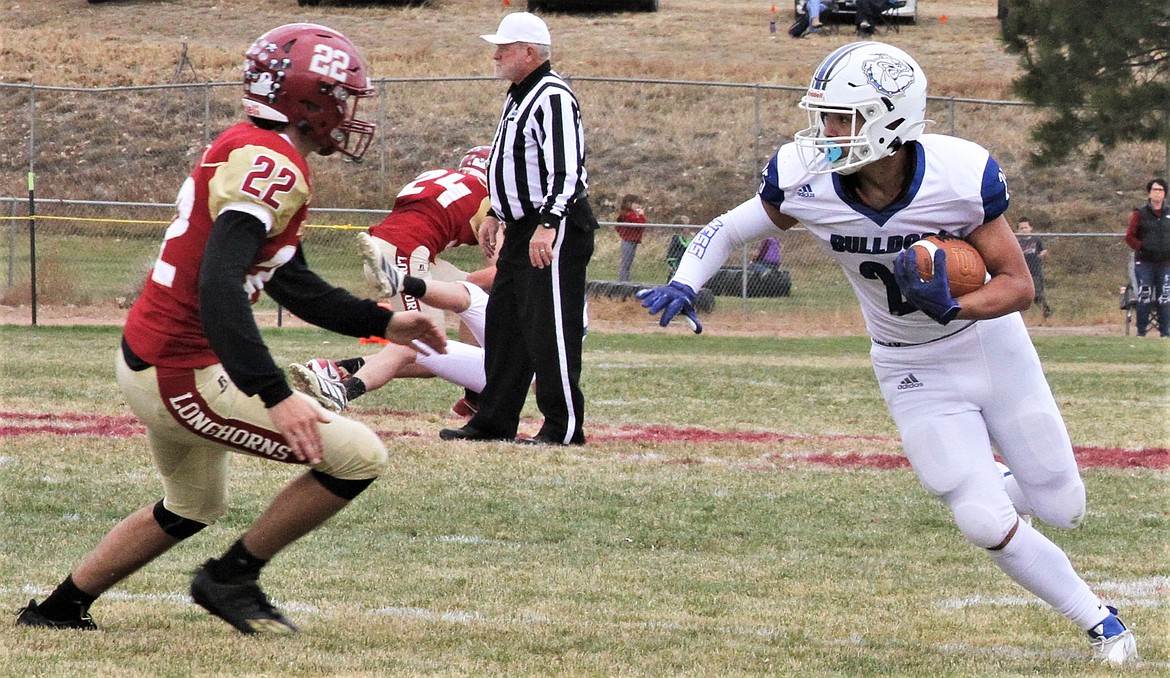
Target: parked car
(908,12)
(587,5)
(343,2)
(412,3)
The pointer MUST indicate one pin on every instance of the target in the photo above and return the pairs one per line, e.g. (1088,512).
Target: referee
(537,184)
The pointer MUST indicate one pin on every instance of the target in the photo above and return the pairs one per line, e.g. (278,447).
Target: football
(966,271)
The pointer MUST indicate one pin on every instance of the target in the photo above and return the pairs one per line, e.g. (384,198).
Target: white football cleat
(380,271)
(1113,644)
(320,379)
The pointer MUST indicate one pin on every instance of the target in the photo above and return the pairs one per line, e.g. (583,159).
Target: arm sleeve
(711,247)
(226,312)
(1131,232)
(307,296)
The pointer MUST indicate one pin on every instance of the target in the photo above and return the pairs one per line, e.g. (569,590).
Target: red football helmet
(310,76)
(475,162)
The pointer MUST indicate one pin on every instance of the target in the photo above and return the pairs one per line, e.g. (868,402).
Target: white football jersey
(957,186)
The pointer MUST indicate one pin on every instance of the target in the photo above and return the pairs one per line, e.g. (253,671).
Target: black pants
(868,15)
(535,324)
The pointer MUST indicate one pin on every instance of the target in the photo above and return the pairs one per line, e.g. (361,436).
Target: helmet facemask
(822,154)
(351,135)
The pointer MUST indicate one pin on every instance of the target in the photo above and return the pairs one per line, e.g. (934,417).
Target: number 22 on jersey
(267,181)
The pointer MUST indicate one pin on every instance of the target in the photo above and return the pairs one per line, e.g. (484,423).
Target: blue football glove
(932,298)
(670,299)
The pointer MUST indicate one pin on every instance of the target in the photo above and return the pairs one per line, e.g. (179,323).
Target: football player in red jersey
(193,365)
(438,210)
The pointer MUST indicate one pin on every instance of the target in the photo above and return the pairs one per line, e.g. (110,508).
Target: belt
(525,221)
(532,219)
(899,344)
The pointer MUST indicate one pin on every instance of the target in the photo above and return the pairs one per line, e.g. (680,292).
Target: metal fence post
(382,150)
(32,210)
(207,114)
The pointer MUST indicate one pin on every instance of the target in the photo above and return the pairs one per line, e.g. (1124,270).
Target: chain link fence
(107,162)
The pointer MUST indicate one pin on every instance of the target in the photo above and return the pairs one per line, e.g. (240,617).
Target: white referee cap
(520,27)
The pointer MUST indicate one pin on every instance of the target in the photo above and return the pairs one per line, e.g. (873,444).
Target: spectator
(629,212)
(1034,255)
(193,365)
(767,257)
(680,240)
(808,18)
(869,14)
(1149,237)
(538,186)
(814,8)
(960,377)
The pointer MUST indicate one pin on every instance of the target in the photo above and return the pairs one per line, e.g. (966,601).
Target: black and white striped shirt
(537,164)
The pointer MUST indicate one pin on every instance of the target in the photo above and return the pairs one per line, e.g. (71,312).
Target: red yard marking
(125,426)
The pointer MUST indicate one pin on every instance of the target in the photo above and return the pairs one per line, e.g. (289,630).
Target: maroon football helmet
(475,162)
(310,76)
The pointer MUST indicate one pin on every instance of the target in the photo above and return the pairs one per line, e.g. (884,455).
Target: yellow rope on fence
(46,217)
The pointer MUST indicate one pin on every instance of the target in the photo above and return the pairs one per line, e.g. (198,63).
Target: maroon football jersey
(439,209)
(246,169)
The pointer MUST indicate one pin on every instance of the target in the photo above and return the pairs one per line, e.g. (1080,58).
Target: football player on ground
(438,210)
(958,375)
(193,366)
(335,384)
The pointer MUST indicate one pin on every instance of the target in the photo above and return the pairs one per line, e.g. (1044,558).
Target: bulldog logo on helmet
(888,75)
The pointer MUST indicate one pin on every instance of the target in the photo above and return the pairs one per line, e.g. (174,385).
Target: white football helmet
(884,91)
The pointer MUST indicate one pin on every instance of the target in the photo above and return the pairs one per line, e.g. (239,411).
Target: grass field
(742,509)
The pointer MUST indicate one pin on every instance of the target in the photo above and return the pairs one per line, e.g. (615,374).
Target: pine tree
(1101,68)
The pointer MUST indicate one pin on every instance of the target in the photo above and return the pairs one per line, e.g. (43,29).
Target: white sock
(1039,565)
(461,365)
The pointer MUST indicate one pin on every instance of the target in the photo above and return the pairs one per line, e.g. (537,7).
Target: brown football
(966,271)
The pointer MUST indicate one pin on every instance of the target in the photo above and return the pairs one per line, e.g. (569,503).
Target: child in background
(629,212)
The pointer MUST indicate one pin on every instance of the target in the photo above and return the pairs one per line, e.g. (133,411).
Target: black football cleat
(470,433)
(242,604)
(30,615)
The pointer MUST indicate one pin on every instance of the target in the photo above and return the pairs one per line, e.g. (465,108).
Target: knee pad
(1144,294)
(345,489)
(174,524)
(1063,507)
(980,525)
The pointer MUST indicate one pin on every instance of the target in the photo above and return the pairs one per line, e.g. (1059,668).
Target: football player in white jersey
(959,375)
(193,365)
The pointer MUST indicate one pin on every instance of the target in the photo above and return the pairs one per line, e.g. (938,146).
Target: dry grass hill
(138,42)
(691,151)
